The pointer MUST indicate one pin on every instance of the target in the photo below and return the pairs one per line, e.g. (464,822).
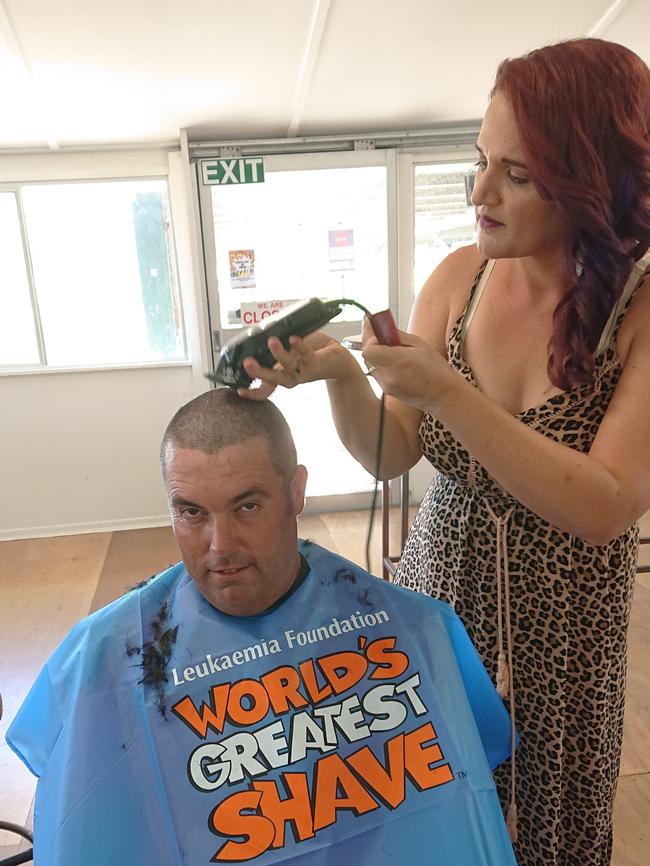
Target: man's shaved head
(220,418)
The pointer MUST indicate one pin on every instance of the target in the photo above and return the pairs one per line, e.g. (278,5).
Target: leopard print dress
(569,608)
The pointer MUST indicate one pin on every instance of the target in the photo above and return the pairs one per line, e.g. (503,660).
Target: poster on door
(341,249)
(254,312)
(242,269)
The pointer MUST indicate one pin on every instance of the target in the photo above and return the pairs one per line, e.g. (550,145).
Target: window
(87,275)
(317,231)
(444,218)
(18,342)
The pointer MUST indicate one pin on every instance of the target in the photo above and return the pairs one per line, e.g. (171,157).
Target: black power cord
(373,503)
(380,437)
(17,859)
(23,856)
(352,303)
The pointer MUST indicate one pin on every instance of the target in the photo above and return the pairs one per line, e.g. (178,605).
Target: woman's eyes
(514,178)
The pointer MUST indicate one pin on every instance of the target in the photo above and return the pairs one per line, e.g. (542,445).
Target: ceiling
(94,73)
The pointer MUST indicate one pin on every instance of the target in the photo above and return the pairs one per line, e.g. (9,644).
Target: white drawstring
(505,680)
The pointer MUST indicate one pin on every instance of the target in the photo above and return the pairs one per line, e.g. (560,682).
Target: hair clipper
(297,320)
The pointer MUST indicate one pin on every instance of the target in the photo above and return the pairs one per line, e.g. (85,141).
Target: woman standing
(524,380)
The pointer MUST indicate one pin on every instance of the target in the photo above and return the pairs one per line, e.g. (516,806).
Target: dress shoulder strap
(619,309)
(475,296)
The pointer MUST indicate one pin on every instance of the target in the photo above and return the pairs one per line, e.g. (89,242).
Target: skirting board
(84,528)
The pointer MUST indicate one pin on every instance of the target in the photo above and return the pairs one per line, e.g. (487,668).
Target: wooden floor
(47,584)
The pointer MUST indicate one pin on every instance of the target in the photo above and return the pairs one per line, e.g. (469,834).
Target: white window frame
(406,165)
(21,170)
(301,162)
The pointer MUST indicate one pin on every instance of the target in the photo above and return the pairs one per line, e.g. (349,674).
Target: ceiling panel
(142,70)
(419,62)
(90,72)
(632,28)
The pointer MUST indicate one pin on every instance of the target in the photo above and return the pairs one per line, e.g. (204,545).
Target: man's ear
(297,489)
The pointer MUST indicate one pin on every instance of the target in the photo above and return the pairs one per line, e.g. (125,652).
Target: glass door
(437,217)
(443,215)
(282,228)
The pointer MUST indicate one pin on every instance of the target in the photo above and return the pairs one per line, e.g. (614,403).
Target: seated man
(264,700)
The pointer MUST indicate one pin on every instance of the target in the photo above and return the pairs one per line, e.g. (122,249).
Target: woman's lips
(487,223)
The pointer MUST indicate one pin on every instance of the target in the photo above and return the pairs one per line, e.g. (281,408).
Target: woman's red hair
(582,110)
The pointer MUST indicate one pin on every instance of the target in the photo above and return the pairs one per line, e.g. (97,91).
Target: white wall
(79,450)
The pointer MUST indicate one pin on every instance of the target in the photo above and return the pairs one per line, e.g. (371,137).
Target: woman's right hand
(308,359)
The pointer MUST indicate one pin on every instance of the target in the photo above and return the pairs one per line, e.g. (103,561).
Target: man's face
(234,518)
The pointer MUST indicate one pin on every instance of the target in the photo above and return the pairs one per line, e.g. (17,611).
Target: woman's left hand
(414,372)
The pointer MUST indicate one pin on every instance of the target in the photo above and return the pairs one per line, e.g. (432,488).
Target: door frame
(400,153)
(298,162)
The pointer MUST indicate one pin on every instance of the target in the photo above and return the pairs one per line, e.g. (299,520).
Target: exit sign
(249,169)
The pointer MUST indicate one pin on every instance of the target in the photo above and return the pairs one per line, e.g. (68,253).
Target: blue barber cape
(351,724)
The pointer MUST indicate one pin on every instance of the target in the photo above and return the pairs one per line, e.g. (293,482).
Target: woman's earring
(579,268)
